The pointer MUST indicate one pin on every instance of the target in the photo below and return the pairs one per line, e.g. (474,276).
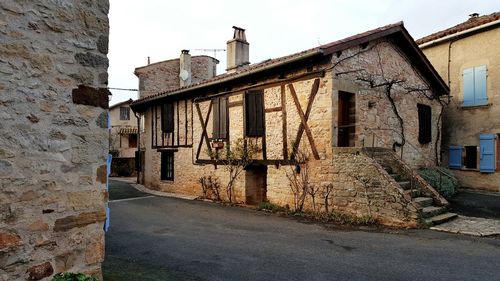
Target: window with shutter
(167,166)
(254,112)
(167,118)
(424,123)
(220,118)
(455,157)
(474,84)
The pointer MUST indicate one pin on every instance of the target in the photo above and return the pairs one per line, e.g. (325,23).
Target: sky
(161,29)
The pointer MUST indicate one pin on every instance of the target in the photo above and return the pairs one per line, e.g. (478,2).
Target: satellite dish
(184,75)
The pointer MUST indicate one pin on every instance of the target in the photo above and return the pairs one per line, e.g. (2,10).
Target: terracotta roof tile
(470,23)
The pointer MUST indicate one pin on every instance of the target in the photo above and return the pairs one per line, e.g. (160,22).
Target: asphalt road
(155,238)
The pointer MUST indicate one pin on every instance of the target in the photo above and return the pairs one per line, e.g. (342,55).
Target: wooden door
(255,184)
(346,119)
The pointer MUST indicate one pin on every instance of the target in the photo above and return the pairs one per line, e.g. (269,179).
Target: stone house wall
(120,142)
(385,202)
(463,125)
(54,141)
(162,76)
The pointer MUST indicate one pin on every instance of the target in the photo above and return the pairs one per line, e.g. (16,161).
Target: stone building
(467,57)
(353,117)
(123,139)
(54,140)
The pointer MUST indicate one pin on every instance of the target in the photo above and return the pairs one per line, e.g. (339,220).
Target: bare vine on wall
(379,76)
(234,158)
(298,177)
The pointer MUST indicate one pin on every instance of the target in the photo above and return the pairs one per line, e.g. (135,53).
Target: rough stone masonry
(54,137)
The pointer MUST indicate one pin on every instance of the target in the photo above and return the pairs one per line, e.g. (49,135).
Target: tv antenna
(211,50)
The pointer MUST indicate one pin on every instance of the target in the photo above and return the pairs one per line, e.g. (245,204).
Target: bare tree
(298,176)
(325,194)
(235,158)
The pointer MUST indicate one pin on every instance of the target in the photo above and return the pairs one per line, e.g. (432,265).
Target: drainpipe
(138,155)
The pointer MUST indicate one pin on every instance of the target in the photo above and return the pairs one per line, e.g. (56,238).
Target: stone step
(423,201)
(439,219)
(405,184)
(412,192)
(432,211)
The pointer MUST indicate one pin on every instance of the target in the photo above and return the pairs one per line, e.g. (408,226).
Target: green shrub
(268,206)
(441,179)
(69,276)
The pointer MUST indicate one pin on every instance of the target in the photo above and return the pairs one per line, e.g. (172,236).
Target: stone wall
(463,125)
(54,141)
(162,76)
(376,122)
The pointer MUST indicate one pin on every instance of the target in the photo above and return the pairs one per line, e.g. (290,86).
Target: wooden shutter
(223,118)
(468,83)
(487,153)
(480,96)
(455,157)
(215,118)
(167,118)
(254,111)
(424,123)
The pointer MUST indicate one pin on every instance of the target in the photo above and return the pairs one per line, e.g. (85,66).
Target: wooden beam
(268,162)
(235,103)
(273,109)
(186,121)
(283,120)
(304,117)
(204,124)
(178,123)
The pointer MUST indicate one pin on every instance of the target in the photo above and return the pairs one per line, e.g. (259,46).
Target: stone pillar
(54,140)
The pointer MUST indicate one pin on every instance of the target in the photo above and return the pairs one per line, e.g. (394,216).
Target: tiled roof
(253,68)
(128,131)
(121,103)
(470,23)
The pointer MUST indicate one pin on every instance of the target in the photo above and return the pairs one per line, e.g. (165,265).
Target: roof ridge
(465,25)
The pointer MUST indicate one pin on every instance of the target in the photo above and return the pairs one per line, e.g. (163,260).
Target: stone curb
(142,188)
(471,226)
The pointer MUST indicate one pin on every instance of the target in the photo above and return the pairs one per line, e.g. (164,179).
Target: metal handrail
(411,145)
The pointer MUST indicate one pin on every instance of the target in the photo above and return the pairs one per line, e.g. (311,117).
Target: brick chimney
(237,50)
(185,68)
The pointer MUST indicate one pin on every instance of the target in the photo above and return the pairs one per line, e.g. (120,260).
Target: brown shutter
(254,114)
(224,118)
(167,118)
(215,117)
(259,113)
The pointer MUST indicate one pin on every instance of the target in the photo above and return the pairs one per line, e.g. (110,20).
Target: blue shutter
(106,223)
(468,78)
(455,157)
(487,150)
(480,95)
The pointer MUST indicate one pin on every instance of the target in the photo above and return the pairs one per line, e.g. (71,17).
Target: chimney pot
(474,15)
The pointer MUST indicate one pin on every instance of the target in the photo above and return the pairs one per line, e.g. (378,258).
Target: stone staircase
(430,204)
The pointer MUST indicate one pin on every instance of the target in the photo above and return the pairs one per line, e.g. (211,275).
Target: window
(424,123)
(167,166)
(475,86)
(220,118)
(254,111)
(132,141)
(124,113)
(470,159)
(167,118)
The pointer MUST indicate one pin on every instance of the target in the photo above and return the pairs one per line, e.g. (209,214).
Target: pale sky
(161,29)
